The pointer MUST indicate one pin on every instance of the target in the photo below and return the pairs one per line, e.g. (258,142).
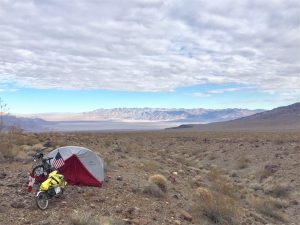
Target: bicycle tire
(42,200)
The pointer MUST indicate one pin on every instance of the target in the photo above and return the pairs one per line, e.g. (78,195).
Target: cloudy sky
(81,55)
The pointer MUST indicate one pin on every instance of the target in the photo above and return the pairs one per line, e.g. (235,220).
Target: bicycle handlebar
(47,159)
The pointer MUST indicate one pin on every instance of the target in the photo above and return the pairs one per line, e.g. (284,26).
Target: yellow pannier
(54,180)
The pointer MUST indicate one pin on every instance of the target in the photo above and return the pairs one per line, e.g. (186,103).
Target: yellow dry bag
(54,180)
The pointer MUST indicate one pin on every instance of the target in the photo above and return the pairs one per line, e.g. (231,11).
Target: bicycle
(53,186)
(41,171)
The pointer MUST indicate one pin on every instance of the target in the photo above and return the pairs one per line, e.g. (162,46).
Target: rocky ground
(212,178)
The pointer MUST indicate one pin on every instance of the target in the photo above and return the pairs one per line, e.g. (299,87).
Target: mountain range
(28,124)
(281,118)
(150,115)
(123,118)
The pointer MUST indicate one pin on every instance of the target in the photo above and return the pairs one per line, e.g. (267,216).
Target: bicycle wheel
(41,200)
(39,173)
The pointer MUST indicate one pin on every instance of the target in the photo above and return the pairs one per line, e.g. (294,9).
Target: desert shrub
(216,207)
(15,134)
(6,147)
(184,161)
(242,163)
(83,218)
(212,157)
(263,174)
(59,142)
(150,166)
(279,141)
(160,181)
(221,184)
(267,171)
(268,207)
(277,190)
(108,165)
(153,190)
(108,142)
(280,203)
(156,186)
(130,146)
(110,221)
(196,181)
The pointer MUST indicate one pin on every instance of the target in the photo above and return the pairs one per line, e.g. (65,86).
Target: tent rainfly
(79,165)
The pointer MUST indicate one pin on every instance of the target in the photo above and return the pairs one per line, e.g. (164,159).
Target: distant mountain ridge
(281,118)
(28,124)
(151,114)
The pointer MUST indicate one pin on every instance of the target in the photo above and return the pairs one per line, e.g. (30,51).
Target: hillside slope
(252,178)
(281,118)
(28,124)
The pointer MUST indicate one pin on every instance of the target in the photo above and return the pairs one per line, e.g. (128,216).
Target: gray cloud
(150,45)
(218,91)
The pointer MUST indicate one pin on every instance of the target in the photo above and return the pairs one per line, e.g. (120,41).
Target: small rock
(139,221)
(177,222)
(92,206)
(119,178)
(175,173)
(131,210)
(2,209)
(294,202)
(175,196)
(234,174)
(100,200)
(12,185)
(271,168)
(17,205)
(117,149)
(258,218)
(118,210)
(27,221)
(2,175)
(255,186)
(185,215)
(80,190)
(47,144)
(45,222)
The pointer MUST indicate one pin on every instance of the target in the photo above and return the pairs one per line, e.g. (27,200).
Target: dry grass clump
(6,147)
(183,160)
(242,162)
(160,180)
(110,221)
(153,190)
(212,157)
(269,207)
(108,165)
(150,166)
(11,140)
(222,184)
(277,190)
(157,186)
(216,207)
(83,218)
(266,172)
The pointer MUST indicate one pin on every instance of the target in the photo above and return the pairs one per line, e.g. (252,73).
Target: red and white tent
(79,165)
